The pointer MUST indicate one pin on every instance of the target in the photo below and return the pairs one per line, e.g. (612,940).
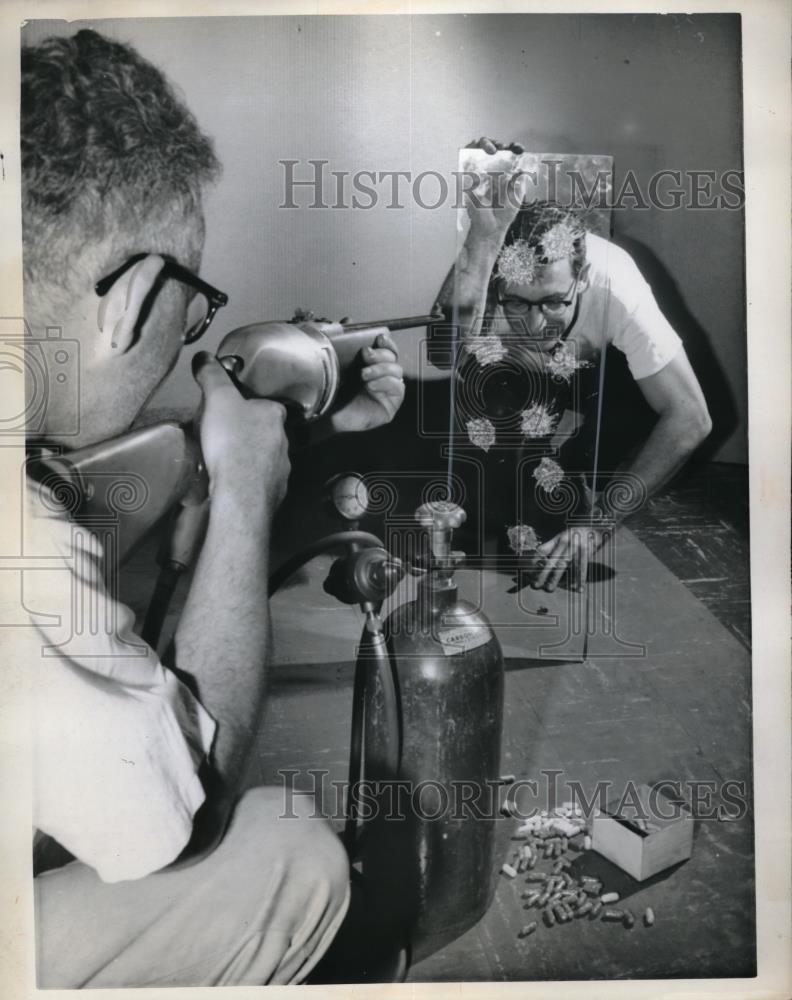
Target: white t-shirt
(617,308)
(117,738)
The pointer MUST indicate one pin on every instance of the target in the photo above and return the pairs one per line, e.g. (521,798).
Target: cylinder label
(460,640)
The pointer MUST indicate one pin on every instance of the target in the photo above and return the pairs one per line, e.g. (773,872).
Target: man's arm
(223,637)
(467,283)
(491,208)
(683,423)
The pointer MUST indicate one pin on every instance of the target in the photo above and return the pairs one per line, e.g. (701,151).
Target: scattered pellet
(506,869)
(613,915)
(648,917)
(542,901)
(596,906)
(610,897)
(628,919)
(584,909)
(528,929)
(522,865)
(535,877)
(548,918)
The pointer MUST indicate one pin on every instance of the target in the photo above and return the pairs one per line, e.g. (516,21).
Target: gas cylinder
(428,845)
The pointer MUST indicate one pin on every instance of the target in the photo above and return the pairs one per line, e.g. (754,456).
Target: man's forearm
(669,445)
(223,637)
(463,295)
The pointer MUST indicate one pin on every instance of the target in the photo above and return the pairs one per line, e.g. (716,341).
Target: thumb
(209,373)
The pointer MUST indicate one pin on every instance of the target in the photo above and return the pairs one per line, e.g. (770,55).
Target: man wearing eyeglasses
(151,867)
(531,276)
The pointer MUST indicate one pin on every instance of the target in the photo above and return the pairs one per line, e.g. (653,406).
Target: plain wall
(403,93)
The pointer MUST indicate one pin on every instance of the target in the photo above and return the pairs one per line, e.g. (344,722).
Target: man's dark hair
(109,153)
(536,220)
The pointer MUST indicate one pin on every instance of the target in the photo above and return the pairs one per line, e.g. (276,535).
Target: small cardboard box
(643,833)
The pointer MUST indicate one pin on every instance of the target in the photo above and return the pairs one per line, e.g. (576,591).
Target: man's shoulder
(610,263)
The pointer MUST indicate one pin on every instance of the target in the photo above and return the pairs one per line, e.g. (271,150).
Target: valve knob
(442,515)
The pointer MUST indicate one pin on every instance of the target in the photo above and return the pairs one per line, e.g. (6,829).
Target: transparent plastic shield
(526,393)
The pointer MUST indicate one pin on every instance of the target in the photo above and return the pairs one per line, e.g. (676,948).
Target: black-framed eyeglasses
(553,307)
(202,307)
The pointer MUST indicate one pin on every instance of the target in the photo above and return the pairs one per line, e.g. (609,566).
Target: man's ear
(583,277)
(118,311)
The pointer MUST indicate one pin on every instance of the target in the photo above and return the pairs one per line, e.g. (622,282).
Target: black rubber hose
(164,589)
(355,757)
(382,750)
(282,574)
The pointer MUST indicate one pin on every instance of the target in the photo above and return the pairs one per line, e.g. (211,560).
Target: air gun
(134,479)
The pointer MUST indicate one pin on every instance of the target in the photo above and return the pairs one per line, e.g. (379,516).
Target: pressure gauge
(349,495)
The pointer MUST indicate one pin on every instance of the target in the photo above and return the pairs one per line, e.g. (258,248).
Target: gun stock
(131,480)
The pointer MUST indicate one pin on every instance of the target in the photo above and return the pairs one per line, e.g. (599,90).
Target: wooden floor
(664,692)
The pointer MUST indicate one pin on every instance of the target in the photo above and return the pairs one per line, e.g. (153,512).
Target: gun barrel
(400,323)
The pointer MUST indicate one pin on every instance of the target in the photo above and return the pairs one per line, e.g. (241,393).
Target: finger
(544,579)
(556,556)
(547,548)
(558,571)
(487,145)
(544,572)
(382,370)
(385,340)
(531,563)
(388,385)
(517,147)
(278,410)
(209,373)
(372,355)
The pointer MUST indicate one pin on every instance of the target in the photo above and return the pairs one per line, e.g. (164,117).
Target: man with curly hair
(530,275)
(153,866)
